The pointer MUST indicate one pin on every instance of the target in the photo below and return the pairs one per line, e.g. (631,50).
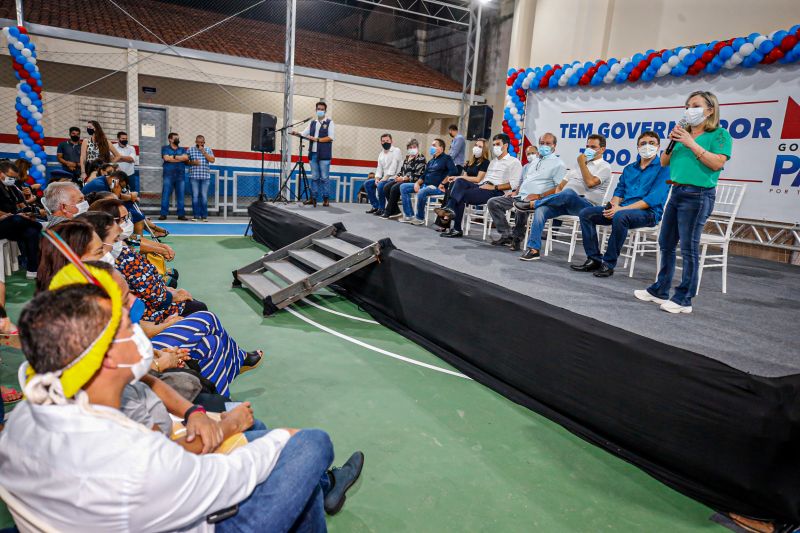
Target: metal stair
(284,276)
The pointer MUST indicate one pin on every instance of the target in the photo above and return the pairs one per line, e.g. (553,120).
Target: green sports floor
(443,453)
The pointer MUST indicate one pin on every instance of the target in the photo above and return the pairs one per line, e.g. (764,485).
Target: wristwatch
(496,187)
(190,411)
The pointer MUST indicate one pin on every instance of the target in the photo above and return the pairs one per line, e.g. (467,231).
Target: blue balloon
(553,83)
(22,154)
(27,141)
(25,88)
(690,59)
(737,43)
(725,53)
(32,121)
(636,58)
(749,61)
(656,63)
(794,28)
(753,36)
(766,47)
(30,67)
(13,31)
(24,39)
(16,75)
(603,70)
(25,113)
(778,37)
(511,71)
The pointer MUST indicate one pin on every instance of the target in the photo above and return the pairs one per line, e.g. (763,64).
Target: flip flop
(8,393)
(249,364)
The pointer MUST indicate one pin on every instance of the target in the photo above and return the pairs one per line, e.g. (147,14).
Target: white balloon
(562,81)
(26,52)
(32,60)
(683,52)
(42,168)
(727,64)
(614,69)
(18,45)
(36,161)
(758,40)
(746,49)
(609,77)
(25,101)
(663,70)
(37,116)
(736,59)
(673,61)
(29,154)
(32,108)
(6,31)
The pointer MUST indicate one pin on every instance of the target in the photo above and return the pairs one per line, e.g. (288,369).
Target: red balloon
(717,47)
(509,81)
(635,74)
(27,127)
(707,56)
(788,42)
(642,65)
(21,121)
(652,55)
(34,135)
(774,55)
(543,83)
(22,29)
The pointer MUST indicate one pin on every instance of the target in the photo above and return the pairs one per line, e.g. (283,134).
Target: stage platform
(752,328)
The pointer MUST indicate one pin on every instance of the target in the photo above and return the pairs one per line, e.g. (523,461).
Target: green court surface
(443,453)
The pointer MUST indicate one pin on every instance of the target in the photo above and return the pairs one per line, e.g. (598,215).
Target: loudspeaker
(480,122)
(262,138)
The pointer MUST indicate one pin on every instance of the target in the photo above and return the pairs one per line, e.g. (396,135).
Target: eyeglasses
(122,220)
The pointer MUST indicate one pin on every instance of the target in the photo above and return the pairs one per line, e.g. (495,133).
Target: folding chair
(479,216)
(726,207)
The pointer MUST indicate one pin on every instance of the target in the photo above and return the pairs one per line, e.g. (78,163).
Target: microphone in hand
(671,146)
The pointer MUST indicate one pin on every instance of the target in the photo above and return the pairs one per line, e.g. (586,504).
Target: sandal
(251,361)
(10,395)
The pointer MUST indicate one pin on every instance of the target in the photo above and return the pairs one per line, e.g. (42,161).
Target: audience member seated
(144,280)
(637,203)
(390,161)
(540,178)
(108,182)
(438,168)
(82,351)
(413,168)
(97,168)
(80,236)
(63,201)
(581,187)
(502,174)
(474,171)
(18,219)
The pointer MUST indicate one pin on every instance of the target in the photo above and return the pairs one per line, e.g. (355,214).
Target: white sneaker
(194,219)
(671,307)
(417,222)
(407,220)
(645,296)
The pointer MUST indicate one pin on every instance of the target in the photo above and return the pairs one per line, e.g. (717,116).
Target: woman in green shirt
(700,152)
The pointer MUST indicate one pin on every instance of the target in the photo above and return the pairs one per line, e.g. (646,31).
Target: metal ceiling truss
(450,12)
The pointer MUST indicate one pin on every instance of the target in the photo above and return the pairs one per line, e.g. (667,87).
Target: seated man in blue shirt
(637,203)
(438,168)
(101,183)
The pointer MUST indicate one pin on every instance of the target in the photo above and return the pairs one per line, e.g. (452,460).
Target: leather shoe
(325,202)
(251,361)
(342,479)
(590,265)
(604,271)
(525,207)
(444,212)
(502,241)
(516,245)
(452,234)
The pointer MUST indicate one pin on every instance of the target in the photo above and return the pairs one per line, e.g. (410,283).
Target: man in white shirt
(582,187)
(390,159)
(503,174)
(127,160)
(540,178)
(72,458)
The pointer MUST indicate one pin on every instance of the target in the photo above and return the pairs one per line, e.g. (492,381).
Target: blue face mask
(545,150)
(137,310)
(320,113)
(432,151)
(589,153)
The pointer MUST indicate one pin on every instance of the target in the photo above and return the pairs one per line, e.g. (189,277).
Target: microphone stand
(283,181)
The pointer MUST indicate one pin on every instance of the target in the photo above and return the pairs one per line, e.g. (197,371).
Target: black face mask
(386,146)
(90,131)
(123,143)
(176,141)
(74,138)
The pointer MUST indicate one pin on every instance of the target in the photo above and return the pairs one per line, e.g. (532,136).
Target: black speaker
(262,138)
(480,122)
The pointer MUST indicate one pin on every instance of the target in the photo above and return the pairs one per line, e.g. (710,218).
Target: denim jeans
(290,499)
(320,182)
(685,216)
(381,192)
(567,202)
(370,187)
(407,189)
(200,198)
(173,181)
(620,223)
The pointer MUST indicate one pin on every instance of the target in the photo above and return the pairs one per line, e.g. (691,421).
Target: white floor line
(339,313)
(374,348)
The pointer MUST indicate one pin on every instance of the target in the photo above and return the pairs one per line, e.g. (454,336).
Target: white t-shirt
(601,170)
(129,151)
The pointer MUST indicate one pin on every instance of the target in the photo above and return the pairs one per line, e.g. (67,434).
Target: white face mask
(82,207)
(8,181)
(413,151)
(109,259)
(145,348)
(497,151)
(116,249)
(127,229)
(477,151)
(531,156)
(694,115)
(648,151)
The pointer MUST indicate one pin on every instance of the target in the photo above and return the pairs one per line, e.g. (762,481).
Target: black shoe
(453,233)
(604,271)
(502,241)
(516,245)
(445,212)
(378,213)
(590,265)
(309,201)
(524,206)
(183,218)
(372,211)
(325,202)
(251,360)
(162,217)
(343,478)
(530,255)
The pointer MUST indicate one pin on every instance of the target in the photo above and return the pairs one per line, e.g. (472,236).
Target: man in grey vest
(320,135)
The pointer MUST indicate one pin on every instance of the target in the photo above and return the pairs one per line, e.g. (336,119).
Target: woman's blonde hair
(484,154)
(712,121)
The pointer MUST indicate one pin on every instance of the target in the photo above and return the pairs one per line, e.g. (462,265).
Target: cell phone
(222,514)
(230,406)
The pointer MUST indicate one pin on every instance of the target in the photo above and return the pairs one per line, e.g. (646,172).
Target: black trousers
(465,192)
(26,233)
(193,306)
(392,192)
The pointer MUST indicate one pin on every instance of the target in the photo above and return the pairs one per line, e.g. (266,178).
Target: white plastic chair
(639,242)
(477,215)
(726,207)
(25,520)
(9,262)
(431,203)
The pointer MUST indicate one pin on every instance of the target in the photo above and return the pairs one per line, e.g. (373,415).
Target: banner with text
(760,108)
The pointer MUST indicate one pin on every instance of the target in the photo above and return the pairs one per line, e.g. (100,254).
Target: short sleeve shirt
(201,171)
(687,170)
(600,169)
(480,165)
(99,184)
(172,169)
(70,152)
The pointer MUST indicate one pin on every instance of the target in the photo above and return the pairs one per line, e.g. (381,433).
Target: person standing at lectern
(320,135)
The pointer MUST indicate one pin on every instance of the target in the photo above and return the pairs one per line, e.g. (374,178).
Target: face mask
(145,348)
(320,113)
(545,150)
(74,138)
(127,229)
(694,115)
(82,207)
(137,310)
(432,151)
(176,141)
(497,151)
(9,181)
(386,146)
(123,143)
(477,151)
(647,151)
(90,131)
(108,259)
(413,151)
(116,249)
(589,153)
